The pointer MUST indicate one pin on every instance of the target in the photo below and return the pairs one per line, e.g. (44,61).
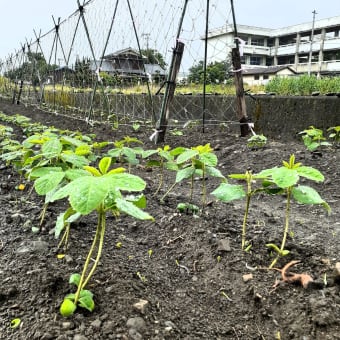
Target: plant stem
(100,247)
(245,218)
(191,188)
(161,179)
(88,259)
(285,233)
(246,212)
(171,187)
(204,187)
(65,237)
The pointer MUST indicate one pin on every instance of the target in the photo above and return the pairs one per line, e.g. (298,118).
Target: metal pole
(311,45)
(205,65)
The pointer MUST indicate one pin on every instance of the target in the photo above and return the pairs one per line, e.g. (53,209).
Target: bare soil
(195,284)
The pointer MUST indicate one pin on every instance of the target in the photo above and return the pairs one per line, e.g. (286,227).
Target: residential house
(128,65)
(262,75)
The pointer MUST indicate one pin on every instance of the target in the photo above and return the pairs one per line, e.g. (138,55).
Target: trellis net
(86,64)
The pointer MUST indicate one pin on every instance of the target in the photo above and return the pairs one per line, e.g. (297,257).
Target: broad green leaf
(213,172)
(153,163)
(48,182)
(284,177)
(186,155)
(88,194)
(76,160)
(307,195)
(86,302)
(85,292)
(74,279)
(92,170)
(73,174)
(83,150)
(42,171)
(130,154)
(226,192)
(130,209)
(148,153)
(104,164)
(52,148)
(171,165)
(139,200)
(124,181)
(208,158)
(310,173)
(71,141)
(117,170)
(177,151)
(114,152)
(184,173)
(64,218)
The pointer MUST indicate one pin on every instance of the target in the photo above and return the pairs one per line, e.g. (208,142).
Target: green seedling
(334,134)
(313,138)
(100,191)
(285,180)
(124,153)
(188,208)
(165,160)
(15,323)
(198,161)
(142,277)
(257,141)
(70,304)
(150,252)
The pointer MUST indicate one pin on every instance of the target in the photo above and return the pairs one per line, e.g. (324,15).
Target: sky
(20,17)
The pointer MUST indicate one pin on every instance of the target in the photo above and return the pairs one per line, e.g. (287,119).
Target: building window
(269,61)
(255,60)
(256,77)
(257,41)
(265,76)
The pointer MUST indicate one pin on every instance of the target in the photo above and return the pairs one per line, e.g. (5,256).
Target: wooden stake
(169,93)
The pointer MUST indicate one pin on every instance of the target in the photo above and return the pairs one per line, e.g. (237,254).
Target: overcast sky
(20,17)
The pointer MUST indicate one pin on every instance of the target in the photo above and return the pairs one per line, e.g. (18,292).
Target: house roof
(125,51)
(267,70)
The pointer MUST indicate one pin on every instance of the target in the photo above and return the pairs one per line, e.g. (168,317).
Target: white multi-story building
(312,48)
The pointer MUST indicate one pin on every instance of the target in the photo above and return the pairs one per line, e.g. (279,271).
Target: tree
(216,72)
(35,69)
(82,74)
(154,57)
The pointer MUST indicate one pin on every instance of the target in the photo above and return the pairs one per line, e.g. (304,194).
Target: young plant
(165,161)
(197,161)
(313,138)
(257,141)
(335,135)
(99,191)
(124,153)
(286,178)
(227,192)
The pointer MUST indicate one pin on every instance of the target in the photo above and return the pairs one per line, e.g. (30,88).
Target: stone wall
(272,115)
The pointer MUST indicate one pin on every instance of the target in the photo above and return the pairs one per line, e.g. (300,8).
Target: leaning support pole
(162,123)
(169,93)
(240,96)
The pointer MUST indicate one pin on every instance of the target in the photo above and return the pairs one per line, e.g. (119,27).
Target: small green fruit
(67,308)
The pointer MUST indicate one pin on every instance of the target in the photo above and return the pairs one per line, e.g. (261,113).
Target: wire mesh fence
(110,60)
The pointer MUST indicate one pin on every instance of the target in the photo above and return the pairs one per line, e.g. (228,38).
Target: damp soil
(197,283)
